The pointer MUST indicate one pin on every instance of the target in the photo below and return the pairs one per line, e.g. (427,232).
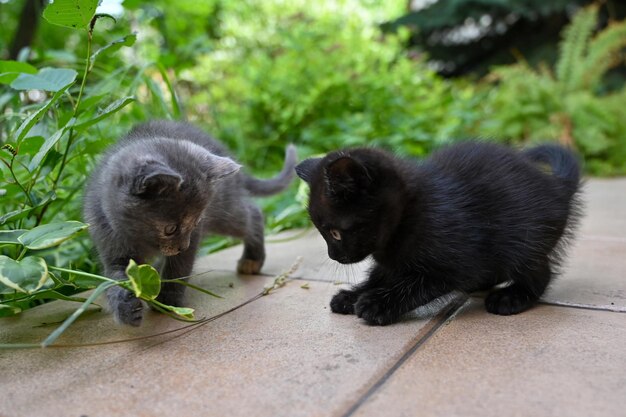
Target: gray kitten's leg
(243,220)
(253,242)
(126,308)
(177,266)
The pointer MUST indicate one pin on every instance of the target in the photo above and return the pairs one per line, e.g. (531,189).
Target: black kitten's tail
(563,162)
(281,181)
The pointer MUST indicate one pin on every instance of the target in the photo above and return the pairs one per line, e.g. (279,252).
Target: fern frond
(573,46)
(605,52)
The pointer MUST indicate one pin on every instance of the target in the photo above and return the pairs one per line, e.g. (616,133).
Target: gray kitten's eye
(335,234)
(170,229)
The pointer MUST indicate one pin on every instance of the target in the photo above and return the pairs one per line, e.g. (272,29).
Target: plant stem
(195,287)
(55,334)
(22,253)
(19,184)
(70,139)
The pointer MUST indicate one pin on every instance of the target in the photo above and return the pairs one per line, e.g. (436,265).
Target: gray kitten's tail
(281,181)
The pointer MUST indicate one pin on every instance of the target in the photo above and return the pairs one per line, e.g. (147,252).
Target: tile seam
(563,304)
(443,318)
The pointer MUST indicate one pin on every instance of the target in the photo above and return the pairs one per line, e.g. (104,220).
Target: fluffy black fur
(470,217)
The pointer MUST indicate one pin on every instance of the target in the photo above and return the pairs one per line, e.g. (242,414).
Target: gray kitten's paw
(249,266)
(126,308)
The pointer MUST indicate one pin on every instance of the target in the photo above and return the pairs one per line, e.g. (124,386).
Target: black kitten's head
(356,200)
(160,197)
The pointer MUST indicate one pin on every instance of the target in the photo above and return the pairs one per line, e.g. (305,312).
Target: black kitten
(158,192)
(472,216)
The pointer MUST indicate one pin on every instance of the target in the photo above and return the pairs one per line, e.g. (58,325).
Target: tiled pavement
(285,354)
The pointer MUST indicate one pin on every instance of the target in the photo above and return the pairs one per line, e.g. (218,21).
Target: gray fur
(169,175)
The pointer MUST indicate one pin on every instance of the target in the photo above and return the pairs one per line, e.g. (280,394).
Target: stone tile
(548,361)
(594,276)
(605,208)
(40,372)
(284,354)
(283,249)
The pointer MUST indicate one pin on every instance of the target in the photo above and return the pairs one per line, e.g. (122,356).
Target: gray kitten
(158,191)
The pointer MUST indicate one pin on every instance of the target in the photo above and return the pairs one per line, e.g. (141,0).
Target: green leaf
(47,145)
(52,234)
(15,215)
(185,312)
(75,14)
(30,145)
(114,107)
(54,295)
(82,279)
(10,236)
(128,40)
(9,310)
(48,79)
(10,70)
(181,311)
(31,120)
(18,214)
(26,276)
(144,279)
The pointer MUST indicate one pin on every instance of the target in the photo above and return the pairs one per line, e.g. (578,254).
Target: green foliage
(568,105)
(75,14)
(24,279)
(47,148)
(322,80)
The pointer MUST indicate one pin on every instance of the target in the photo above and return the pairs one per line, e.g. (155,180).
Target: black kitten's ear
(218,167)
(154,178)
(305,168)
(345,176)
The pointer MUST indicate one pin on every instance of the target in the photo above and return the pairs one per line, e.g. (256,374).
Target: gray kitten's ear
(346,176)
(305,168)
(154,178)
(218,167)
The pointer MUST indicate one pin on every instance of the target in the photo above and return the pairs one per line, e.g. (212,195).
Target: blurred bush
(568,103)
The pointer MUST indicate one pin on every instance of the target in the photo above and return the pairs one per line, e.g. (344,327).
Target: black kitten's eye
(335,234)
(170,229)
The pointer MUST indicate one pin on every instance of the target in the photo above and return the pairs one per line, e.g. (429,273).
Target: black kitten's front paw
(126,308)
(375,308)
(507,301)
(343,302)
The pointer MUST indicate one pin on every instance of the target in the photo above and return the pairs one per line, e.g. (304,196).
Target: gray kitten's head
(156,193)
